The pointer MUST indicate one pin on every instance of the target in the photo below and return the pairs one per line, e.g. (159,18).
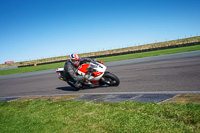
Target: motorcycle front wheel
(110,79)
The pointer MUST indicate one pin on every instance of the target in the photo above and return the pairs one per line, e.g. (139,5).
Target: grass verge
(105,59)
(184,99)
(151,53)
(81,116)
(32,68)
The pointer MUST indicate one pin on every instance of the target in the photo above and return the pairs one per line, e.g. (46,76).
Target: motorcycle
(96,74)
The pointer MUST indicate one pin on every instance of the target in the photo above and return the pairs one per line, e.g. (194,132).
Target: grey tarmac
(171,74)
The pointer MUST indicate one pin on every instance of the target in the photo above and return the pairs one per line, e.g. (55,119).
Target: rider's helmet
(75,59)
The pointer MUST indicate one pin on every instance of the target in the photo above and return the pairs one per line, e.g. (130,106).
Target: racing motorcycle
(96,73)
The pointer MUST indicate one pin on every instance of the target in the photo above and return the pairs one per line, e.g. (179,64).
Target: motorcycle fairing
(83,68)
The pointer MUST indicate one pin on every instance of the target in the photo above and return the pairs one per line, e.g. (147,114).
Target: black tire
(111,79)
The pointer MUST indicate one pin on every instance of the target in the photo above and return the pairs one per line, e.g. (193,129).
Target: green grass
(89,117)
(150,53)
(32,68)
(105,59)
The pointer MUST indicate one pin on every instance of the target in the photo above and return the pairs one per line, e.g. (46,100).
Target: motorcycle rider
(70,70)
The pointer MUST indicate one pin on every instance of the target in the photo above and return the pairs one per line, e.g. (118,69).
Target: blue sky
(36,29)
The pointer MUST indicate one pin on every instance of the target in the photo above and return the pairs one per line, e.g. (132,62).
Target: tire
(111,79)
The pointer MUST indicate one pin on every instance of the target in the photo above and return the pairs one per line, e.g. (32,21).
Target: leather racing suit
(70,72)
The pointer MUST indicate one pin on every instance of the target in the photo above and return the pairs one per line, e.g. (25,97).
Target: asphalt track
(144,79)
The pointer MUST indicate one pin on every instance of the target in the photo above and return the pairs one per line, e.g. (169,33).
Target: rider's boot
(78,85)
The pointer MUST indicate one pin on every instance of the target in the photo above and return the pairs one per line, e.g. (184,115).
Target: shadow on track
(68,88)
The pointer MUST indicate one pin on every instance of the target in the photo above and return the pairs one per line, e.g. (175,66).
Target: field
(157,45)
(105,59)
(89,117)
